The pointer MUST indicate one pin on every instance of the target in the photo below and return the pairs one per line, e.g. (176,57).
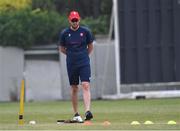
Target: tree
(87,8)
(14,4)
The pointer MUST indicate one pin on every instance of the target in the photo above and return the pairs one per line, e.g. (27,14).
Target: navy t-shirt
(76,43)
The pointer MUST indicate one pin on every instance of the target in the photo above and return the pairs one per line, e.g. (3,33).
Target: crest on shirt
(69,35)
(81,34)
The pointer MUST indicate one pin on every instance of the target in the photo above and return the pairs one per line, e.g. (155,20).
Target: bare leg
(74,97)
(86,95)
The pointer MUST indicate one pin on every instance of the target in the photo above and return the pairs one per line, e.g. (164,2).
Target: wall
(46,75)
(42,80)
(42,75)
(11,72)
(105,68)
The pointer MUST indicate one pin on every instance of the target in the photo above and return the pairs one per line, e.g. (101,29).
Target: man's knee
(85,85)
(74,88)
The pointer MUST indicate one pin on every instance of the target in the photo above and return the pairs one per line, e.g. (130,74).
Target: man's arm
(62,49)
(90,48)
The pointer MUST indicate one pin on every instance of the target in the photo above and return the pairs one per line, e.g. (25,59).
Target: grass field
(119,112)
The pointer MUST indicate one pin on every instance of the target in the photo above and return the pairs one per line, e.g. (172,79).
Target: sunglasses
(74,20)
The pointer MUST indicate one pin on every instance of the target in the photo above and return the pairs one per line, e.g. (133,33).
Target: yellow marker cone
(21,109)
(171,122)
(135,123)
(148,123)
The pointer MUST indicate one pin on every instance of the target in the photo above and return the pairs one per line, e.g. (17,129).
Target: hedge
(98,25)
(25,28)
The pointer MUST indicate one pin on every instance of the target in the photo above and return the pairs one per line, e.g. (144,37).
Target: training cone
(148,123)
(87,123)
(171,122)
(106,123)
(135,123)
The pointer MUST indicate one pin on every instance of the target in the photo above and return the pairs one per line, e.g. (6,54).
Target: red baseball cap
(74,15)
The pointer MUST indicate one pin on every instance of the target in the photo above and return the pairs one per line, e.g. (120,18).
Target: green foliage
(106,7)
(98,26)
(24,23)
(25,28)
(14,4)
(97,19)
(43,5)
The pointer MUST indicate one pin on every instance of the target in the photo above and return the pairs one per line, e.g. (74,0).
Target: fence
(149,40)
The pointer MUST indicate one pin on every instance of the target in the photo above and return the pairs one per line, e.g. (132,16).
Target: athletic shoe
(77,118)
(88,116)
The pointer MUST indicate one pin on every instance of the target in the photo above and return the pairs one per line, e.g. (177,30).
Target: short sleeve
(62,38)
(89,36)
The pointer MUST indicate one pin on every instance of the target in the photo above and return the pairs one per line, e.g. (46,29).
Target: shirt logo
(81,34)
(69,35)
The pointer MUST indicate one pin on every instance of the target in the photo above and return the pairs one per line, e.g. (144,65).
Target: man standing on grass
(76,42)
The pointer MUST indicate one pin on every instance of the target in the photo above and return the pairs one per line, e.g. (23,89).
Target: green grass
(119,112)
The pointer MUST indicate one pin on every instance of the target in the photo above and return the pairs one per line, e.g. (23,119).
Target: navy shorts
(78,72)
